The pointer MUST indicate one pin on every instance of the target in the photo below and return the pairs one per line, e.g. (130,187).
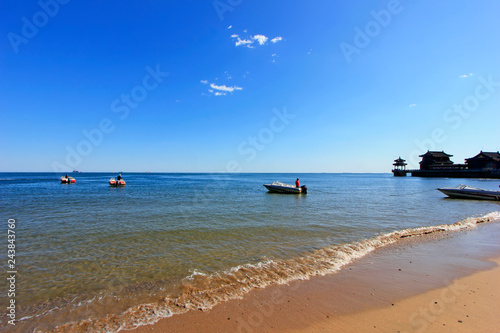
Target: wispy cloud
(412,105)
(246,42)
(250,41)
(220,90)
(464,76)
(276,39)
(225,88)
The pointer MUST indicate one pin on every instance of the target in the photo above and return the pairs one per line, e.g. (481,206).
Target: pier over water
(438,164)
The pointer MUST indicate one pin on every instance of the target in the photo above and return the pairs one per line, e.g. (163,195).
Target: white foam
(194,273)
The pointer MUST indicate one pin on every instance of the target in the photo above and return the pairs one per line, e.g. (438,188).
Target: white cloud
(310,51)
(219,90)
(250,41)
(260,38)
(246,42)
(276,39)
(229,27)
(225,88)
(464,76)
(412,105)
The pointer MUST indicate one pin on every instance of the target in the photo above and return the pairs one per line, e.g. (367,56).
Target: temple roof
(490,156)
(436,154)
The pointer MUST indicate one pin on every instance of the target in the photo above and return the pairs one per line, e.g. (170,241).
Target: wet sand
(442,282)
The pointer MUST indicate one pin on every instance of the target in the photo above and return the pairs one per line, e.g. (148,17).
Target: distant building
(435,160)
(484,161)
(438,164)
(399,167)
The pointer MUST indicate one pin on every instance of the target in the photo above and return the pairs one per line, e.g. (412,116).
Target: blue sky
(250,86)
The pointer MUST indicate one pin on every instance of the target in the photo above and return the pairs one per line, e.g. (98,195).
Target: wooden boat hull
(470,193)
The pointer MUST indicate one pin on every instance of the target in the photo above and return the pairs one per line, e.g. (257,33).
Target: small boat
(469,192)
(69,180)
(113,182)
(279,187)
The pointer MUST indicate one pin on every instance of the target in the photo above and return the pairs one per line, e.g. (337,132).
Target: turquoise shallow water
(88,250)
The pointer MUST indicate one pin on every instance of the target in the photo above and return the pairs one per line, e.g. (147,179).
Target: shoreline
(378,285)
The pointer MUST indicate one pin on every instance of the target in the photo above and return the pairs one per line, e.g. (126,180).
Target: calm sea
(90,257)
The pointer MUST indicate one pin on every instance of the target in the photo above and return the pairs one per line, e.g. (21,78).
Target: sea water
(90,257)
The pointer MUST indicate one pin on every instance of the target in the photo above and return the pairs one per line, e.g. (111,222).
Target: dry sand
(468,304)
(448,282)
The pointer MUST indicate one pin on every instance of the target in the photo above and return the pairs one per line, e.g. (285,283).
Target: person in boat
(297,183)
(66,176)
(118,179)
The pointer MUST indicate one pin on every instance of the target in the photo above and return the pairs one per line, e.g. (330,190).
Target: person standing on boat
(119,178)
(297,183)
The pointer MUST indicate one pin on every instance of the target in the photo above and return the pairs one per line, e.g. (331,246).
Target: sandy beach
(444,282)
(468,304)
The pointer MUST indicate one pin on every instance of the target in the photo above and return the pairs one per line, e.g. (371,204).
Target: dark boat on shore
(469,192)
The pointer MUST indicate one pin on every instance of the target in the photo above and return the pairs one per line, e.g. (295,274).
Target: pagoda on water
(399,167)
